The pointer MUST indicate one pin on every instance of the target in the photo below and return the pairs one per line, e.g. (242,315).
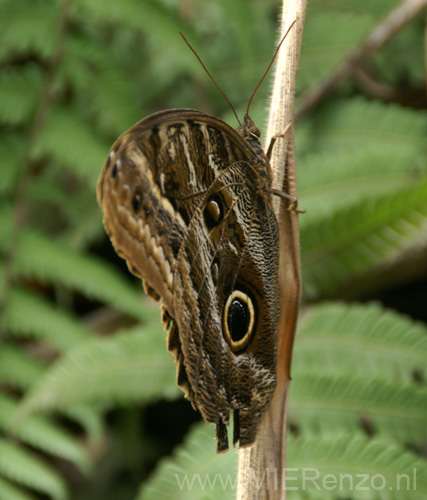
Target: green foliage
(313,461)
(80,347)
(54,262)
(134,366)
(363,341)
(352,373)
(23,466)
(194,471)
(390,408)
(42,321)
(349,249)
(9,490)
(344,457)
(42,434)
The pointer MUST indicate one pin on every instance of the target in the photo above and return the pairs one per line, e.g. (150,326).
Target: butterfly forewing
(187,202)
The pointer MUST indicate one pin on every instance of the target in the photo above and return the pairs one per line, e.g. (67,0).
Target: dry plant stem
(373,88)
(385,30)
(415,97)
(261,466)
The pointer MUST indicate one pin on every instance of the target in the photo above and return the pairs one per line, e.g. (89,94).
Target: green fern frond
(12,492)
(377,9)
(31,315)
(53,262)
(83,232)
(26,468)
(114,104)
(69,141)
(349,249)
(104,88)
(42,434)
(131,13)
(360,340)
(6,218)
(325,402)
(403,55)
(194,471)
(47,190)
(19,91)
(350,123)
(155,21)
(362,181)
(130,367)
(86,233)
(388,470)
(372,215)
(243,17)
(12,148)
(331,181)
(334,29)
(21,371)
(328,38)
(90,418)
(17,368)
(27,27)
(77,214)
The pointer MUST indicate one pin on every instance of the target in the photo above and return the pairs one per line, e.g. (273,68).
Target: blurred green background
(88,402)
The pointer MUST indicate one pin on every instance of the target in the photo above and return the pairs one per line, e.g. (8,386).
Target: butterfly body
(187,202)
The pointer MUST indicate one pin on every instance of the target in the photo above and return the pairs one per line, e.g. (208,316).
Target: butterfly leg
(275,137)
(294,202)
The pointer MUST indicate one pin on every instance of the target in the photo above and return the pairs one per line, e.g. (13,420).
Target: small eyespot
(215,270)
(213,211)
(115,169)
(136,202)
(238,320)
(108,162)
(175,250)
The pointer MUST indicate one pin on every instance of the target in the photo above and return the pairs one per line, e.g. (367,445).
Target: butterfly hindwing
(237,257)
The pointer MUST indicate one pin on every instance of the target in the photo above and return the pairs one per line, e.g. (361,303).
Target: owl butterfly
(187,201)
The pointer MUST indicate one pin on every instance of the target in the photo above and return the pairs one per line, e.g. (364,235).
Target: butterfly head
(251,133)
(248,129)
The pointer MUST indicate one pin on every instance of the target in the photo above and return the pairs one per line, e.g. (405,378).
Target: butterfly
(187,202)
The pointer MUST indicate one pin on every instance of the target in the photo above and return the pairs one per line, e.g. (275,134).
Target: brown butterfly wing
(239,253)
(159,190)
(151,167)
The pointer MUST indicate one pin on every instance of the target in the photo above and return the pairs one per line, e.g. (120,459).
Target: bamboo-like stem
(262,466)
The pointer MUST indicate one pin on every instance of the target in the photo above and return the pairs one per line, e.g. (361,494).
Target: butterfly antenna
(269,67)
(210,76)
